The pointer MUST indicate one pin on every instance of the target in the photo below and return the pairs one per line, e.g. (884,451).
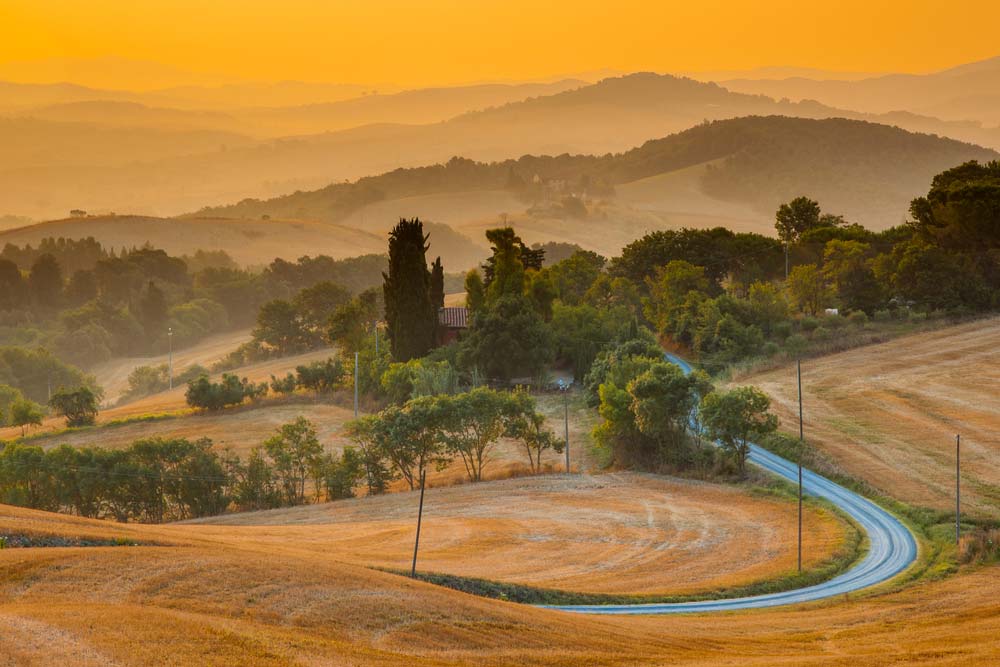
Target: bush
(79,405)
(770,349)
(321,376)
(858,318)
(918,317)
(796,345)
(883,315)
(808,324)
(208,395)
(782,330)
(833,321)
(821,333)
(285,385)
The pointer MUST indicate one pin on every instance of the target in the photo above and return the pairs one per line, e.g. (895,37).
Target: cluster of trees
(156,480)
(402,441)
(231,390)
(654,416)
(146,380)
(88,303)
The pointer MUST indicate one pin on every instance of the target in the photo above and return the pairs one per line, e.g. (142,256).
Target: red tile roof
(455,318)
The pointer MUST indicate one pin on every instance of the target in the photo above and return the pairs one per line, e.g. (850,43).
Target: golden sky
(449,41)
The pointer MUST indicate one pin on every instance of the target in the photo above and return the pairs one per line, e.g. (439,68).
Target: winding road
(892,547)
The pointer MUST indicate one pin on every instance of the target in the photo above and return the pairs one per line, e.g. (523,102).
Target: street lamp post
(170,357)
(564,390)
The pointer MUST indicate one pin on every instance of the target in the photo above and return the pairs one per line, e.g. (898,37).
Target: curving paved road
(893,547)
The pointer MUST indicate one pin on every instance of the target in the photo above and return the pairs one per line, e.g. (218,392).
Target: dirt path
(112,375)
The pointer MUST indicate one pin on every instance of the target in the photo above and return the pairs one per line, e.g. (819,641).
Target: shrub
(285,385)
(833,321)
(782,330)
(883,315)
(808,324)
(821,333)
(203,393)
(321,376)
(796,344)
(858,318)
(79,406)
(770,349)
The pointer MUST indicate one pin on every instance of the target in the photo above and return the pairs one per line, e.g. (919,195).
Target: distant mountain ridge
(611,116)
(966,92)
(866,171)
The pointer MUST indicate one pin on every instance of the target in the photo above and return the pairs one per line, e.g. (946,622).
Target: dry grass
(617,533)
(112,376)
(889,413)
(170,401)
(240,601)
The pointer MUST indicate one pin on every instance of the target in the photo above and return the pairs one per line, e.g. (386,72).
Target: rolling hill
(249,242)
(610,116)
(967,92)
(866,171)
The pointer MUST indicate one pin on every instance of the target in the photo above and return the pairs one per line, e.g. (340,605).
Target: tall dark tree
(410,315)
(437,284)
(11,285)
(153,311)
(45,281)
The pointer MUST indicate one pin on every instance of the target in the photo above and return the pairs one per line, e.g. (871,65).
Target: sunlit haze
(445,41)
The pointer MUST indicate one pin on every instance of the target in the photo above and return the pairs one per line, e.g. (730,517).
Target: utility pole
(355,385)
(566,424)
(420,516)
(802,445)
(170,357)
(958,488)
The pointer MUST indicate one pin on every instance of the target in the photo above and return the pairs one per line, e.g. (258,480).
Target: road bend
(892,547)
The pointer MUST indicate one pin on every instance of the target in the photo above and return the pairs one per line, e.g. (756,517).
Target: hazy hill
(425,105)
(610,116)
(867,171)
(968,92)
(249,242)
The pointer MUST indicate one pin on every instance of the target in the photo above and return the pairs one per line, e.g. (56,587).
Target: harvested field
(173,401)
(615,533)
(238,603)
(889,413)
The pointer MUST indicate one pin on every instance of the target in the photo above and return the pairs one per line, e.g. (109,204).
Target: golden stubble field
(609,533)
(889,413)
(201,600)
(172,401)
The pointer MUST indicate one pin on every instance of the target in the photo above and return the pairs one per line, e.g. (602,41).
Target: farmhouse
(451,322)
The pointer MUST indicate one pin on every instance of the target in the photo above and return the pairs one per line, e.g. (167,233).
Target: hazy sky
(449,41)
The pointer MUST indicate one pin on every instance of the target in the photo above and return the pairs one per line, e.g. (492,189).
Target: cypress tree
(410,316)
(437,284)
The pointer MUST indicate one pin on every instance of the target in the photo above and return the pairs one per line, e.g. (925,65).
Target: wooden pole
(958,488)
(566,424)
(802,444)
(420,516)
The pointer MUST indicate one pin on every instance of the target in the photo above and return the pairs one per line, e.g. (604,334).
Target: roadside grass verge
(937,555)
(851,551)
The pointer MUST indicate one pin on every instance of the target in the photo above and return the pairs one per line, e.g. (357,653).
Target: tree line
(168,479)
